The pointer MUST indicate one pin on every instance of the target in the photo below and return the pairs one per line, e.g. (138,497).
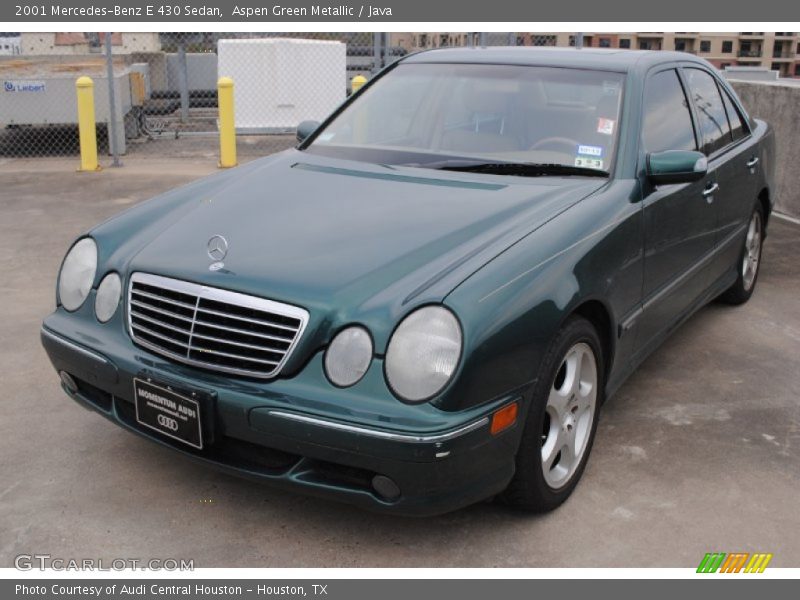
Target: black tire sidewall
(530,490)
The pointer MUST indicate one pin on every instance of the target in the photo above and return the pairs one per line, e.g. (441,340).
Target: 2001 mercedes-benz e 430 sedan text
(426,302)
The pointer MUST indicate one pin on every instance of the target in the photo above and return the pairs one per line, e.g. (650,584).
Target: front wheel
(561,421)
(749,261)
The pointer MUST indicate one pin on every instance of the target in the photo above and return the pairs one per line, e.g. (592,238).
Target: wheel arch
(766,206)
(597,313)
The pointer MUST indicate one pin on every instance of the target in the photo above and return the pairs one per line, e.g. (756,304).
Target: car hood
(351,241)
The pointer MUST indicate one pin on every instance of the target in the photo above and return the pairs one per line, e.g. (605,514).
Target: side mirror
(676,166)
(305,129)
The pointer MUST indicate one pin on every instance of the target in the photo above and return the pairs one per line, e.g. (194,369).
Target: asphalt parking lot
(699,451)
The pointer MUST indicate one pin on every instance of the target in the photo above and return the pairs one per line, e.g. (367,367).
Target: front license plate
(171,414)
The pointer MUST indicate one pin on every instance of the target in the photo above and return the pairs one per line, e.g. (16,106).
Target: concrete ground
(699,451)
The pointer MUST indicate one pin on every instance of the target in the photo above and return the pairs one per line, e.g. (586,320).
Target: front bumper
(279,438)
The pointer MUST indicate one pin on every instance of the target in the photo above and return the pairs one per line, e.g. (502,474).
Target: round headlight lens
(77,274)
(107,298)
(423,353)
(348,356)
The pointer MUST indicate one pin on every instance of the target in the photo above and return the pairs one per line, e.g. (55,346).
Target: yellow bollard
(357,82)
(87,128)
(227,129)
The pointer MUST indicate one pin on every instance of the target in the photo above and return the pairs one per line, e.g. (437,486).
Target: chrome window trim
(380,433)
(219,295)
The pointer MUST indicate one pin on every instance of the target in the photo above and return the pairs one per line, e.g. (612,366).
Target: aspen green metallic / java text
(426,303)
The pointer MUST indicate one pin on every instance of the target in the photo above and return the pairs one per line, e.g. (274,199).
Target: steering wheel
(561,142)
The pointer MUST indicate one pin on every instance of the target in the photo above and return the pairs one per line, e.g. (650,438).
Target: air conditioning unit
(280,82)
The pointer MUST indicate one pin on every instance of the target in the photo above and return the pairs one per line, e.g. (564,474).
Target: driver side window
(666,118)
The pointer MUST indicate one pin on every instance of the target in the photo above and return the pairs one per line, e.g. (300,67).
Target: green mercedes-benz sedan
(427,301)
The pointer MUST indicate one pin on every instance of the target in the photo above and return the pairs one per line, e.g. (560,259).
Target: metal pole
(579,40)
(482,37)
(512,39)
(376,52)
(183,82)
(112,104)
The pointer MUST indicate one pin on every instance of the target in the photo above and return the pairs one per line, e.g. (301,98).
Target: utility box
(279,83)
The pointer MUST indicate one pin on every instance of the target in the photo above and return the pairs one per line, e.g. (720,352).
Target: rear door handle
(752,162)
(710,189)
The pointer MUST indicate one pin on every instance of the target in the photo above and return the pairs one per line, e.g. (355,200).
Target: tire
(537,487)
(749,263)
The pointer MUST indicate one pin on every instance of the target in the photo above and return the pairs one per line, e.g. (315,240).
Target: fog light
(385,487)
(69,382)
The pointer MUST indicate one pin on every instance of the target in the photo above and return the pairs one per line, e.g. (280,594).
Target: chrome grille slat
(138,315)
(204,351)
(166,338)
(244,331)
(206,335)
(240,344)
(245,319)
(162,299)
(160,310)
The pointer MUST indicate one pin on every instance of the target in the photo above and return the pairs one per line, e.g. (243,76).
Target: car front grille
(212,328)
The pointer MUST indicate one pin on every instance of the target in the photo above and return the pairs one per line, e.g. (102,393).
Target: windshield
(457,115)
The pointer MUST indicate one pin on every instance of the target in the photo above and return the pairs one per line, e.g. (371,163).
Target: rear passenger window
(711,110)
(738,129)
(667,121)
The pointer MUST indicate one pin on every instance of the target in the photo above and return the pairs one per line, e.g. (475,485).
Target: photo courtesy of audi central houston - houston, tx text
(419,298)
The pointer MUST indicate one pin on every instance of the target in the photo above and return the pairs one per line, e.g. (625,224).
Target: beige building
(775,51)
(38,44)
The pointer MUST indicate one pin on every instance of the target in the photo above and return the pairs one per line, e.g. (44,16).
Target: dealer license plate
(171,414)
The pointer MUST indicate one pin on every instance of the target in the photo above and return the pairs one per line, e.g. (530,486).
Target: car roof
(608,59)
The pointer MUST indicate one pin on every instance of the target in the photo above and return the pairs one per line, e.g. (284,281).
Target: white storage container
(280,82)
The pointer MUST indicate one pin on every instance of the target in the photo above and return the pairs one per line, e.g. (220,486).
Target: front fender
(512,307)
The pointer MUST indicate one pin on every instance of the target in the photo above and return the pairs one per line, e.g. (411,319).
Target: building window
(644,45)
(797,70)
(680,45)
(624,43)
(775,66)
(727,46)
(605,42)
(705,46)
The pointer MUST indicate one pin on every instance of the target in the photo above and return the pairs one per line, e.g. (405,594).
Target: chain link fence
(155,93)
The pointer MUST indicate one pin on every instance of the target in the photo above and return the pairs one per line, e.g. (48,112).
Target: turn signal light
(504,418)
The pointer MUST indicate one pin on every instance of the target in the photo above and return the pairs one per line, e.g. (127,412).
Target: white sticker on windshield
(591,150)
(588,163)
(605,126)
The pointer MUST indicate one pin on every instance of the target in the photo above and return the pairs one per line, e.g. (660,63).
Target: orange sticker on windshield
(605,126)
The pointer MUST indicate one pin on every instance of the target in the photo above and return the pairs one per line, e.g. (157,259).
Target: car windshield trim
(565,118)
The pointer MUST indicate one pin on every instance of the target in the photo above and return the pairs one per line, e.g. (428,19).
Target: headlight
(423,353)
(107,298)
(348,356)
(77,274)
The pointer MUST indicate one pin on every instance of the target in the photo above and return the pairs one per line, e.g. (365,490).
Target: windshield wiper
(521,169)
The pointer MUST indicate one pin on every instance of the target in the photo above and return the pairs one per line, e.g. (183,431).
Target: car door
(679,219)
(732,156)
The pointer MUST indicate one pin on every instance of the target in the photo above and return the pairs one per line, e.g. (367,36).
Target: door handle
(710,189)
(752,162)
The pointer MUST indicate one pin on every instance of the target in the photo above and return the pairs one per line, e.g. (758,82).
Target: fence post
(84,87)
(112,106)
(183,82)
(376,52)
(227,128)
